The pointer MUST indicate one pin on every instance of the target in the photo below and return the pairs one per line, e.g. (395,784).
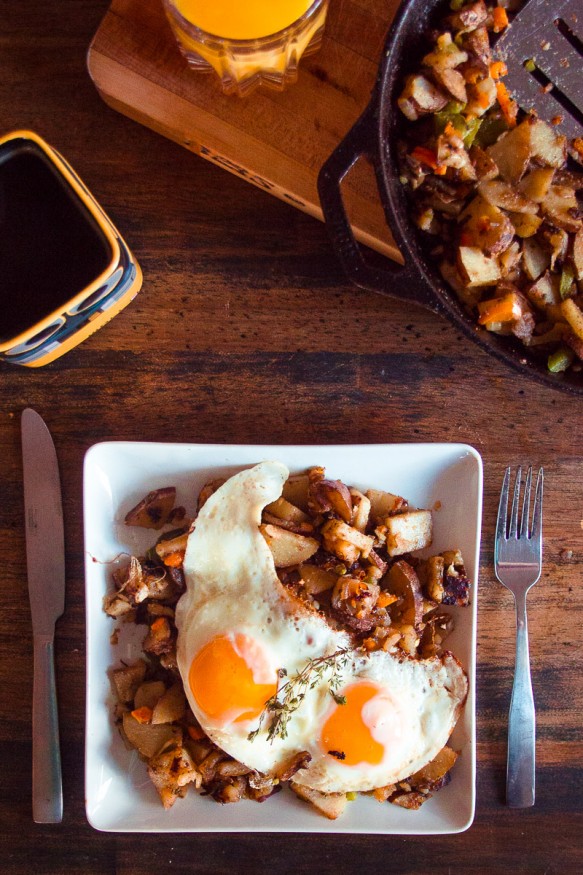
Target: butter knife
(45,561)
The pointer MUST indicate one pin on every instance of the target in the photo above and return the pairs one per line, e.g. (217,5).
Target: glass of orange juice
(247,42)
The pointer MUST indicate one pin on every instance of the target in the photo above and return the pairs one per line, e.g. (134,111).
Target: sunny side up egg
(238,627)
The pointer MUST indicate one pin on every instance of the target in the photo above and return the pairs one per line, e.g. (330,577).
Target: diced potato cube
(284,510)
(147,738)
(126,680)
(336,532)
(574,316)
(383,503)
(171,706)
(360,510)
(476,268)
(148,694)
(409,531)
(331,805)
(295,490)
(288,548)
(316,579)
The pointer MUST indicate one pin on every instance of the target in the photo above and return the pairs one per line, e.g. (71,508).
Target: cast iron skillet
(375,135)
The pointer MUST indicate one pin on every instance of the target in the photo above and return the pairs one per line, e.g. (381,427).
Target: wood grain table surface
(246,331)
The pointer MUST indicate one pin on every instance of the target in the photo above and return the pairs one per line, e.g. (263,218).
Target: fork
(517,564)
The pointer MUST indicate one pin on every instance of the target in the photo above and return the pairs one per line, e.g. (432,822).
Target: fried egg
(242,634)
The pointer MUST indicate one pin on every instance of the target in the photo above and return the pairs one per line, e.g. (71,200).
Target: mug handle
(398,281)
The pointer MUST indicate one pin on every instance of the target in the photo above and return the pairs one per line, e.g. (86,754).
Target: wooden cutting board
(276,141)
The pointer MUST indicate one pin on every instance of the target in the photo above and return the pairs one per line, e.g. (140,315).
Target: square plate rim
(333,828)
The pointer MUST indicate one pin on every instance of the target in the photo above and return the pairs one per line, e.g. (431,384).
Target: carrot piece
(158,624)
(500,18)
(508,106)
(385,599)
(425,156)
(498,69)
(369,644)
(143,714)
(174,560)
(503,309)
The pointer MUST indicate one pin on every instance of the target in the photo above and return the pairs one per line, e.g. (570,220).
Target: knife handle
(47,790)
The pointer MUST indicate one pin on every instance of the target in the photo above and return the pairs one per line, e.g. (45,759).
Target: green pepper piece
(472,128)
(560,360)
(566,284)
(493,126)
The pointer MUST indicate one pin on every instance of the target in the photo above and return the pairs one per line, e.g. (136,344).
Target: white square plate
(119,795)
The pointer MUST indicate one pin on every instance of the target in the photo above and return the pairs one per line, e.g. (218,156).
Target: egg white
(233,588)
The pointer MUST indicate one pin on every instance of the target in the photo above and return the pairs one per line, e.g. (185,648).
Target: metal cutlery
(45,560)
(517,563)
(544,50)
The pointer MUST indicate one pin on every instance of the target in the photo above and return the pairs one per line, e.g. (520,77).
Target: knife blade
(45,562)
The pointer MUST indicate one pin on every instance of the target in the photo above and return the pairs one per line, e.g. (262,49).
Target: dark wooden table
(246,331)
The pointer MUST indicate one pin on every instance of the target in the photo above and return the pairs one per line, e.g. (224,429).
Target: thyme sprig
(291,694)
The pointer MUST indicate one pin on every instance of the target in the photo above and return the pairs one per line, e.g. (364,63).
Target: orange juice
(242,19)
(247,42)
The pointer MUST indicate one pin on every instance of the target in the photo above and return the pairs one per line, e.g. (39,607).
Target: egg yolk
(346,734)
(231,678)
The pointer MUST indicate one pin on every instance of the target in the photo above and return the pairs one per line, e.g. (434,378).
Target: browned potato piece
(438,625)
(288,548)
(534,258)
(432,577)
(316,579)
(578,255)
(562,208)
(331,805)
(295,490)
(171,771)
(544,292)
(512,151)
(152,512)
(574,316)
(147,738)
(171,706)
(436,769)
(326,495)
(401,580)
(506,197)
(285,510)
(172,545)
(148,694)
(419,97)
(491,230)
(525,224)
(336,534)
(360,510)
(383,503)
(409,531)
(476,268)
(545,144)
(536,183)
(127,680)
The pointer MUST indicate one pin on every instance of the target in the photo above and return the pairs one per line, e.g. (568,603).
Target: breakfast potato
(331,805)
(409,531)
(285,510)
(171,706)
(288,548)
(153,511)
(295,490)
(382,504)
(361,507)
(315,579)
(403,582)
(345,541)
(148,739)
(127,680)
(148,694)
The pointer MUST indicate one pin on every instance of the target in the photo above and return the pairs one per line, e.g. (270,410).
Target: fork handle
(521,721)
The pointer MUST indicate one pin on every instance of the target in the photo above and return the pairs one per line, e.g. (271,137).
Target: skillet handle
(396,280)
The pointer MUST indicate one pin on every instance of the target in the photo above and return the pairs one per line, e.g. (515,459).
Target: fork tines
(510,530)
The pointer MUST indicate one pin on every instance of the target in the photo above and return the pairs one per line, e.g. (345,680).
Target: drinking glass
(247,43)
